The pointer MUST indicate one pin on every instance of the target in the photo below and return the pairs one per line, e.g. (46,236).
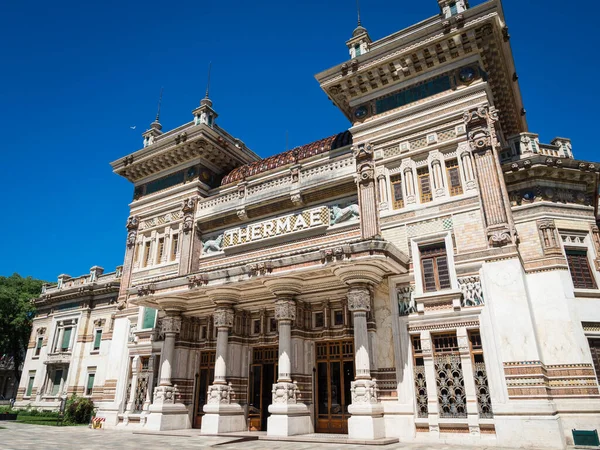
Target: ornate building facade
(430,274)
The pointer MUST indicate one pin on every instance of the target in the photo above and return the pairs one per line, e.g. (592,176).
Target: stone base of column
(367,420)
(165,414)
(222,415)
(288,417)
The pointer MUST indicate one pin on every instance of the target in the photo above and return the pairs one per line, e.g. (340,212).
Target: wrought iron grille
(450,386)
(421,392)
(484,403)
(141,390)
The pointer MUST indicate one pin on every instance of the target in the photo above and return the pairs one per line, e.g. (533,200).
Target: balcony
(63,357)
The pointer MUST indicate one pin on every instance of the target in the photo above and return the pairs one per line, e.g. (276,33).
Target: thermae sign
(279,226)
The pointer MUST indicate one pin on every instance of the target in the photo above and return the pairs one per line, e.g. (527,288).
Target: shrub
(78,410)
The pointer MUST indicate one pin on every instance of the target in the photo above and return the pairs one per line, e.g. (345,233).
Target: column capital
(285,309)
(223,317)
(359,299)
(171,324)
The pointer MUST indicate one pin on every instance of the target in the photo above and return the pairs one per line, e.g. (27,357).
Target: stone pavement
(18,436)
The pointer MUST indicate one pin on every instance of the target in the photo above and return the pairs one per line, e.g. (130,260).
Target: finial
(358,11)
(208,79)
(159,102)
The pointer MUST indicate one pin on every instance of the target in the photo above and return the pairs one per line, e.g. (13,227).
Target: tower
(205,113)
(358,44)
(155,130)
(451,8)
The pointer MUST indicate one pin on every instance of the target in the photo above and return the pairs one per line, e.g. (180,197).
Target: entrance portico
(277,310)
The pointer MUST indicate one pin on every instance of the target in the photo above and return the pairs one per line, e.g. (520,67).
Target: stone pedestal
(222,414)
(164,413)
(288,417)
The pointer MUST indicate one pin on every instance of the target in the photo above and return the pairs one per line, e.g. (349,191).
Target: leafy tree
(16,313)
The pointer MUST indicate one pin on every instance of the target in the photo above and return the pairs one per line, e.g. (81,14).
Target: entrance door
(204,378)
(335,371)
(263,374)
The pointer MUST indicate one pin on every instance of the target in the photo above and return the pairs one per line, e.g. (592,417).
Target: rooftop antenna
(159,102)
(208,81)
(358,11)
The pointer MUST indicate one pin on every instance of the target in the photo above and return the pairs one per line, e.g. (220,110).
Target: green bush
(78,410)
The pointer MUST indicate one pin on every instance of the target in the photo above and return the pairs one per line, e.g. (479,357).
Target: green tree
(16,313)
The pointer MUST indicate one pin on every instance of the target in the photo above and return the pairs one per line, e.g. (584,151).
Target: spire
(155,127)
(204,113)
(360,40)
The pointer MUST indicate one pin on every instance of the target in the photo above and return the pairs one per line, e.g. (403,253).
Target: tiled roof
(289,157)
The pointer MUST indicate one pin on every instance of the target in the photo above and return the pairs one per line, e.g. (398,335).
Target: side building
(71,338)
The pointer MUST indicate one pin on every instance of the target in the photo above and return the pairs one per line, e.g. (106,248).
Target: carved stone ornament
(213,245)
(166,395)
(364,392)
(171,325)
(99,323)
(222,394)
(286,393)
(242,214)
(362,151)
(297,199)
(241,188)
(499,238)
(259,268)
(481,114)
(146,289)
(336,253)
(131,238)
(188,206)
(223,318)
(472,291)
(133,223)
(339,214)
(359,299)
(480,139)
(285,310)
(546,224)
(197,280)
(366,173)
(188,223)
(406,300)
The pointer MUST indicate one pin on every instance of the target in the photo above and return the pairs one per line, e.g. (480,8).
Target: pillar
(289,416)
(166,413)
(469,380)
(366,409)
(222,413)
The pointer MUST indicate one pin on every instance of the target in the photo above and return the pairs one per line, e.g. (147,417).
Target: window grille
(397,195)
(420,380)
(424,185)
(454,177)
(484,402)
(449,377)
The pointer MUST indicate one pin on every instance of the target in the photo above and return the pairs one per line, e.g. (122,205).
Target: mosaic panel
(429,226)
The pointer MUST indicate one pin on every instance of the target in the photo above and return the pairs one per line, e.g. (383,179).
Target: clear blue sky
(74,76)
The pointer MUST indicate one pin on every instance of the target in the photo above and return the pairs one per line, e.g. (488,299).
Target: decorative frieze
(364,392)
(286,393)
(222,394)
(171,324)
(472,291)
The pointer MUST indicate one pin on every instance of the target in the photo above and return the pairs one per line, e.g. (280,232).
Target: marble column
(166,413)
(366,409)
(222,413)
(289,416)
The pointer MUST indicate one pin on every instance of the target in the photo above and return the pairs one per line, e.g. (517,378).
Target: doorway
(204,378)
(334,373)
(263,374)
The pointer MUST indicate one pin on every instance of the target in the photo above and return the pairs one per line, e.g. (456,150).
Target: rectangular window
(148,318)
(56,380)
(97,339)
(319,320)
(90,384)
(38,346)
(30,384)
(66,342)
(357,50)
(272,325)
(579,267)
(338,317)
(147,253)
(434,265)
(161,250)
(203,333)
(136,255)
(453,177)
(424,185)
(174,246)
(256,326)
(453,9)
(397,195)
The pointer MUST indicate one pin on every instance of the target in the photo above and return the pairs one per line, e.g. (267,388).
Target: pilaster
(132,225)
(367,193)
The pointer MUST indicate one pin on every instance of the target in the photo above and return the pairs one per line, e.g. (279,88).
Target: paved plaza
(17,436)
